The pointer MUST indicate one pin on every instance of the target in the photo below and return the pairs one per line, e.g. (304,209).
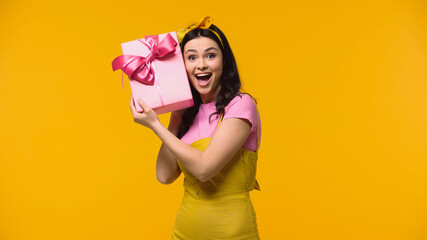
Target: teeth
(203,74)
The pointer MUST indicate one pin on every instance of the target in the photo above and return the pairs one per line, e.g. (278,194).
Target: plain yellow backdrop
(341,87)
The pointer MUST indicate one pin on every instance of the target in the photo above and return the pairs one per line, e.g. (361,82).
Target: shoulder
(242,100)
(242,106)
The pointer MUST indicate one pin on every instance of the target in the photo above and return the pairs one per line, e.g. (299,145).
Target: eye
(210,55)
(191,57)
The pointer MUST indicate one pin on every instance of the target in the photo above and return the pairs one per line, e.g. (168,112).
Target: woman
(214,143)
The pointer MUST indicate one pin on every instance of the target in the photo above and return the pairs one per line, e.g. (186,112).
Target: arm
(226,141)
(167,170)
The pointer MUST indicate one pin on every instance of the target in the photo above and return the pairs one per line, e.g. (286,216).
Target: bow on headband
(139,68)
(203,23)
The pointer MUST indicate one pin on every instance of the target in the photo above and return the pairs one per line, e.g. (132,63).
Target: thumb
(143,105)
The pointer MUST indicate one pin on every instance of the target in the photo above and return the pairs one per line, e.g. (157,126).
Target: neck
(207,98)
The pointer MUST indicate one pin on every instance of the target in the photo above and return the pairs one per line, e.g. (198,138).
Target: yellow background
(341,87)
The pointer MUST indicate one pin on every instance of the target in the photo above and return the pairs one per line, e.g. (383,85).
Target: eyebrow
(211,48)
(206,50)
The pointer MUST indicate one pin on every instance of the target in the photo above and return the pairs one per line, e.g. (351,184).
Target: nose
(201,64)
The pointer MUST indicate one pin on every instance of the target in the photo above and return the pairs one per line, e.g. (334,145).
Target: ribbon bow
(203,23)
(139,68)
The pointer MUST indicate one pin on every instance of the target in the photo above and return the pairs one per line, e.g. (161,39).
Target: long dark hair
(230,80)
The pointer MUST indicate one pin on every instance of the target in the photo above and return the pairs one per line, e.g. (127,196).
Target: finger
(143,105)
(132,105)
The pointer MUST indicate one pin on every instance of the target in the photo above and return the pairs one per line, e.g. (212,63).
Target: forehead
(200,44)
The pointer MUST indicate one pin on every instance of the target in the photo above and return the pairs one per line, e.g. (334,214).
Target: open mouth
(203,78)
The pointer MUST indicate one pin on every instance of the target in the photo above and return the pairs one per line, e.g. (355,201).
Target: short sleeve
(243,107)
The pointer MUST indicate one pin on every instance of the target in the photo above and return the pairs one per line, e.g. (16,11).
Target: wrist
(157,126)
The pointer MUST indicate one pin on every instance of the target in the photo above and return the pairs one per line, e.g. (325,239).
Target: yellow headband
(203,23)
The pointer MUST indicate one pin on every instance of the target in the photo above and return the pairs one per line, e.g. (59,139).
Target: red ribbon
(139,68)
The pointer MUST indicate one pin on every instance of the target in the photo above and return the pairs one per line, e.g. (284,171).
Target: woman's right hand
(148,118)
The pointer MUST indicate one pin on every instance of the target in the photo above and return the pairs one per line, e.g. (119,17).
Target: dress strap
(222,116)
(257,126)
(256,184)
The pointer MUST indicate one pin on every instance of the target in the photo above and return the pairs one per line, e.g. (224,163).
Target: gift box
(156,72)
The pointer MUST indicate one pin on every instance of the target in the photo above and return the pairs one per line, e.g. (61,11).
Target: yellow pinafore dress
(221,207)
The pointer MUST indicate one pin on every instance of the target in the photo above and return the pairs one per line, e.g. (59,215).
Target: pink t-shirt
(239,107)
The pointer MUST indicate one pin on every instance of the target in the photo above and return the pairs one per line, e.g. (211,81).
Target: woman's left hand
(148,118)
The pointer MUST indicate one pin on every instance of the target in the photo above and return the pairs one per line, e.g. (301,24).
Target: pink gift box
(171,90)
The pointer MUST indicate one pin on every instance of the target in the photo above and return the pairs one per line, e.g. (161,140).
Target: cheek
(217,66)
(188,67)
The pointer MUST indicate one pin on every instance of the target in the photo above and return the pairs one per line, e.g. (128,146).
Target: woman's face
(203,63)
